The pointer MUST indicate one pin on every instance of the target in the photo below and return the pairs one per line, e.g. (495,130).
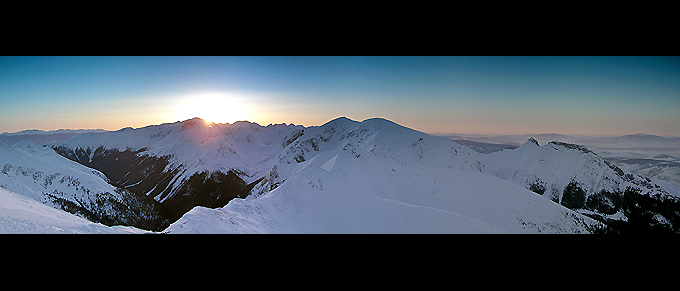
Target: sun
(213,108)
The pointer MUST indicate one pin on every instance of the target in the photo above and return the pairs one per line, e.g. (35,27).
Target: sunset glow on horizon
(468,95)
(212,107)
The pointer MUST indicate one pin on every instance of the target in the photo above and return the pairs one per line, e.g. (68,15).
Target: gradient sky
(467,94)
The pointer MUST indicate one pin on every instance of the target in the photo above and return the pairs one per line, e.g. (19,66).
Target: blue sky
(473,94)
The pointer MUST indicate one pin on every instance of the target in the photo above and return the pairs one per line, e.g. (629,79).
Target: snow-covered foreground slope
(42,175)
(309,204)
(31,170)
(378,177)
(19,214)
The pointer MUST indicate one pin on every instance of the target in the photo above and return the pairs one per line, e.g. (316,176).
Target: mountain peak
(571,146)
(193,120)
(125,129)
(382,123)
(373,120)
(340,122)
(532,141)
(378,120)
(342,119)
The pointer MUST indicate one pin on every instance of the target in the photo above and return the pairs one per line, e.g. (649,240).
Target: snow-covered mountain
(553,166)
(373,176)
(380,158)
(378,177)
(20,214)
(182,164)
(577,178)
(40,174)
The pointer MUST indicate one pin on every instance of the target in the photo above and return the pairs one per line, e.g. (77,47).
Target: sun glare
(213,108)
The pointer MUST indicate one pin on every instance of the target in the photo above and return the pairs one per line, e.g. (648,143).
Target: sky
(494,95)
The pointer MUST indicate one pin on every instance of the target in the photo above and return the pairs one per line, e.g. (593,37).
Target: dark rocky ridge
(149,176)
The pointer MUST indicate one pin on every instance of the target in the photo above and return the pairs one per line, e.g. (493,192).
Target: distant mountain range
(516,140)
(644,154)
(42,137)
(345,176)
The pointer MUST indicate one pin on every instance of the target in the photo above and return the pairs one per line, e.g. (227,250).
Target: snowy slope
(42,175)
(378,177)
(556,164)
(317,201)
(30,169)
(387,140)
(19,214)
(577,178)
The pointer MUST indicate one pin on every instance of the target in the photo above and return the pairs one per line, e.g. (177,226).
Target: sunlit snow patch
(328,166)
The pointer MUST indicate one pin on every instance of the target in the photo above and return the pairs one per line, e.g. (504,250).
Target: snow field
(19,214)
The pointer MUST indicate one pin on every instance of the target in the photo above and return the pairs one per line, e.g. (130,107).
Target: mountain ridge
(298,148)
(245,174)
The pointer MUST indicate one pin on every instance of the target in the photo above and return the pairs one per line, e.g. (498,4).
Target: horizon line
(443,134)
